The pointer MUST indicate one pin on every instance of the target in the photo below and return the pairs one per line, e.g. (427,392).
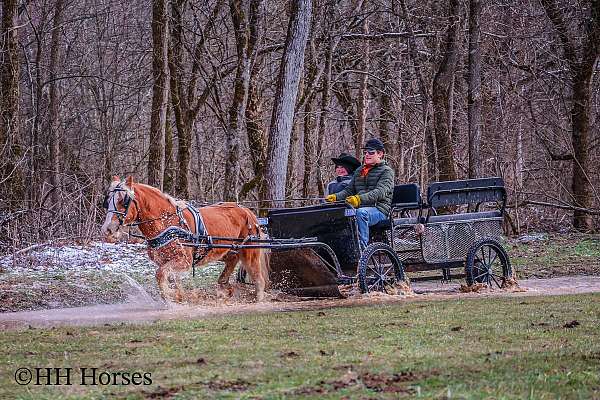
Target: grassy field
(556,255)
(536,348)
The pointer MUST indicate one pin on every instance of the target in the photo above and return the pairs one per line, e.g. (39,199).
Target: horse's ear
(116,178)
(129,181)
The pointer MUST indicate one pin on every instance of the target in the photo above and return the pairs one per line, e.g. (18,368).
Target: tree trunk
(443,84)
(309,147)
(184,98)
(237,110)
(582,70)
(285,98)
(325,106)
(474,91)
(362,105)
(160,93)
(54,145)
(428,154)
(385,116)
(169,170)
(10,171)
(257,140)
(580,116)
(291,164)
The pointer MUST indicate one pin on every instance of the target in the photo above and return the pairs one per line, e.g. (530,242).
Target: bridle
(127,200)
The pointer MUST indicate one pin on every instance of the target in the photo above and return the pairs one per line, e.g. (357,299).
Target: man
(370,190)
(345,165)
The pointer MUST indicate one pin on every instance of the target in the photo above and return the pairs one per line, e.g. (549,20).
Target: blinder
(121,215)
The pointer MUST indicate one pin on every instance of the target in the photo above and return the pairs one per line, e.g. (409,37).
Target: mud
(141,309)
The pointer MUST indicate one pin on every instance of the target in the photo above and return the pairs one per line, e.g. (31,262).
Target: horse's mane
(172,200)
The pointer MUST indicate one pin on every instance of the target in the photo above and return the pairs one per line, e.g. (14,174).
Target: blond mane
(172,200)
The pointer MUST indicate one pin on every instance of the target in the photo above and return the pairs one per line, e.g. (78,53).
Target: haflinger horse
(168,225)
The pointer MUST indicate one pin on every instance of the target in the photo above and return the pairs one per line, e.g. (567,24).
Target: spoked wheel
(379,268)
(488,263)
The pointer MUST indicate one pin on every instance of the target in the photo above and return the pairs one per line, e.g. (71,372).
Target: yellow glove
(330,198)
(354,201)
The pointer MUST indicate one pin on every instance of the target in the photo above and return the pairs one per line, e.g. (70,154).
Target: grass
(465,348)
(556,255)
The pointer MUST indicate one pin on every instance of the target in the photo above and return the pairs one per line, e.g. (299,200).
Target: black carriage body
(331,224)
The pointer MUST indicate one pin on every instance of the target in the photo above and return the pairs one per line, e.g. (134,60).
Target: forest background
(244,100)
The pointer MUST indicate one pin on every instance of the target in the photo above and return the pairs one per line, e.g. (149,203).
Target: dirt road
(142,309)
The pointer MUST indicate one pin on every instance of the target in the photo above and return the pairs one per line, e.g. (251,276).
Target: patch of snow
(117,258)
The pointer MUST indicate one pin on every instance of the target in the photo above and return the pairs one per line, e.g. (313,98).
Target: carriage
(315,249)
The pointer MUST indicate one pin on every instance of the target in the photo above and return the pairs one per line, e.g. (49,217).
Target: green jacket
(375,189)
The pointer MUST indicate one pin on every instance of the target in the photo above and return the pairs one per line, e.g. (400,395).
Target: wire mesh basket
(451,240)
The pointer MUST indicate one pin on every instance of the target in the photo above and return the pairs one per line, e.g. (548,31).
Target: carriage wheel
(379,268)
(487,262)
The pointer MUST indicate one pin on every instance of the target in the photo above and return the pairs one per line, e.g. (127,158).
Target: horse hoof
(260,298)
(225,291)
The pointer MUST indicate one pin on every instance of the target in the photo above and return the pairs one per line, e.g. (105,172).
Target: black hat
(374,144)
(347,161)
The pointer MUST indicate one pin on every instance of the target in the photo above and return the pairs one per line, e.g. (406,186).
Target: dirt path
(139,309)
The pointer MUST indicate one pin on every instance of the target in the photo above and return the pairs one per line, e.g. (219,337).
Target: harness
(177,232)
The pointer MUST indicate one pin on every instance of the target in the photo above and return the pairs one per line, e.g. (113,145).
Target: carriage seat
(465,216)
(405,198)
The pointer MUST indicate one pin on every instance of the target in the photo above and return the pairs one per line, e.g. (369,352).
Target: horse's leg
(252,264)
(162,278)
(178,290)
(231,260)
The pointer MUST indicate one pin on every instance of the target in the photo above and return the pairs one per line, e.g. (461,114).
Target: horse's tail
(264,254)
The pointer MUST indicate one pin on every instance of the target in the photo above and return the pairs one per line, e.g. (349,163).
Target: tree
(282,118)
(239,16)
(185,100)
(10,149)
(443,92)
(580,61)
(160,92)
(53,117)
(474,90)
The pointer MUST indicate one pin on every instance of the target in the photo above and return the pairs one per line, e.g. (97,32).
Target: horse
(169,224)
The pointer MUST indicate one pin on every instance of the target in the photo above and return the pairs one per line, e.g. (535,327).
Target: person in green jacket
(370,190)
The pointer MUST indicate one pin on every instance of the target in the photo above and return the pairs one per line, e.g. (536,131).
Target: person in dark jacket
(345,165)
(370,190)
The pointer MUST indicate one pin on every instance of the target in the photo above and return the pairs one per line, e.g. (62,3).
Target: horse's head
(118,201)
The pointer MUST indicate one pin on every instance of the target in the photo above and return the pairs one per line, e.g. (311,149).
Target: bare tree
(257,138)
(184,85)
(10,148)
(443,92)
(239,10)
(160,92)
(581,62)
(285,98)
(362,104)
(474,91)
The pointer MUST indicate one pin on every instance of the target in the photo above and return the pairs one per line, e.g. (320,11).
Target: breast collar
(178,232)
